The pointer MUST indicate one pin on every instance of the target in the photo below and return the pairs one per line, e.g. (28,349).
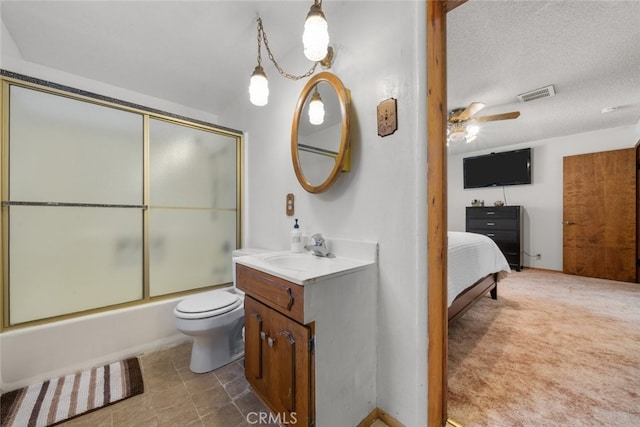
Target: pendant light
(259,87)
(316,48)
(258,84)
(316,33)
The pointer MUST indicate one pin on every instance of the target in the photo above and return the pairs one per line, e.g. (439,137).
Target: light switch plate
(290,207)
(387,117)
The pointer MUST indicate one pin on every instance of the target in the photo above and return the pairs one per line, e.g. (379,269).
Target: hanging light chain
(263,36)
(259,42)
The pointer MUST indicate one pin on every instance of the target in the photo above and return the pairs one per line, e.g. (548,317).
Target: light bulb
(473,129)
(316,34)
(259,87)
(316,109)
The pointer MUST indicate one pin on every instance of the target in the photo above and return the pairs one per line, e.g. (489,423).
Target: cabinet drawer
(489,224)
(279,294)
(498,236)
(495,212)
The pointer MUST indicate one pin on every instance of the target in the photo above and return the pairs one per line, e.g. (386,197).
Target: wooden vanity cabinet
(310,346)
(278,350)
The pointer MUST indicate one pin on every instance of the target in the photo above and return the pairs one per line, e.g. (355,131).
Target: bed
(475,265)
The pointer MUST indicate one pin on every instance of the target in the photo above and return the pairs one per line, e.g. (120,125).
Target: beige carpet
(554,349)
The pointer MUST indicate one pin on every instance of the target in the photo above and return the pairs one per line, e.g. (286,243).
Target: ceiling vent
(543,92)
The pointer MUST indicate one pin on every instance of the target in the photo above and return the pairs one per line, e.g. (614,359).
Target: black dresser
(502,224)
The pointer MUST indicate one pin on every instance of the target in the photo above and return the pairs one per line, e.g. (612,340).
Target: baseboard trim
(542,269)
(379,414)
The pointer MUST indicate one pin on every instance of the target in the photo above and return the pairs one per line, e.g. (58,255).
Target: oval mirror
(320,143)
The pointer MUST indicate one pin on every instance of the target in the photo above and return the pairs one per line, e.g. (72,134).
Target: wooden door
(599,210)
(290,369)
(255,334)
(277,362)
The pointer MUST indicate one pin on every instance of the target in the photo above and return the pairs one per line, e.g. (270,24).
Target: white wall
(380,54)
(7,47)
(542,200)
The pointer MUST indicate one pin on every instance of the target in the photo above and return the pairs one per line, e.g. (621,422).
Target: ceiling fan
(462,126)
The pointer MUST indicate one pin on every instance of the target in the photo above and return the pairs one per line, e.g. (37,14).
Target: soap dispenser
(296,238)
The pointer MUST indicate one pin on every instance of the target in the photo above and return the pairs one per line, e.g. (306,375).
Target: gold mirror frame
(343,157)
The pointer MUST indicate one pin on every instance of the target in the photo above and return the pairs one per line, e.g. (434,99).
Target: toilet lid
(219,301)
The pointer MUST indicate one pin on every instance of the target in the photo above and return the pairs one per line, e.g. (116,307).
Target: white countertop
(305,268)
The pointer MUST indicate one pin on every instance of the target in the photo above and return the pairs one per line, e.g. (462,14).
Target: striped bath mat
(56,400)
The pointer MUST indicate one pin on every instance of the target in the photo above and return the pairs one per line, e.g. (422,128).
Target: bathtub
(37,353)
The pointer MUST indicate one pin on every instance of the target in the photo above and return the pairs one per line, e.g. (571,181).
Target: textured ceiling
(589,51)
(201,53)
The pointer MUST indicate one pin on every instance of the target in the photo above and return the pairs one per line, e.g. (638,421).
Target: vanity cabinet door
(278,362)
(289,358)
(255,341)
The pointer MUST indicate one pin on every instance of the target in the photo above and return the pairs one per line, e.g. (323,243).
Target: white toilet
(215,320)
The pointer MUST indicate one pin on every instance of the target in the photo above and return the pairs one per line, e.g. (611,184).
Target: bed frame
(472,294)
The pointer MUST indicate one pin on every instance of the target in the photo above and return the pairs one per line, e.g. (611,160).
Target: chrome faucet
(319,246)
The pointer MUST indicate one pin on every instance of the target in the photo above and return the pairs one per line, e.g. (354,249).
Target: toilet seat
(206,305)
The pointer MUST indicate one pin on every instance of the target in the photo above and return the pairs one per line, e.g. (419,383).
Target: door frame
(437,322)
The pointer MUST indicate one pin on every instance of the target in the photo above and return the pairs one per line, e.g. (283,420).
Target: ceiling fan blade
(503,116)
(466,114)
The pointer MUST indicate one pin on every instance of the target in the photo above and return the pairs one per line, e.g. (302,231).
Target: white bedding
(472,256)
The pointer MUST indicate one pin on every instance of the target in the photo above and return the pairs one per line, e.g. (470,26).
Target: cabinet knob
(271,341)
(263,335)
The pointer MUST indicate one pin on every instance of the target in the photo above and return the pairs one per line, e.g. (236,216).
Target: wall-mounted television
(498,169)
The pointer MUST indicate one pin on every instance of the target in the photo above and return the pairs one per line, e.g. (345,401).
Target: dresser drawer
(488,224)
(492,213)
(281,295)
(498,236)
(512,254)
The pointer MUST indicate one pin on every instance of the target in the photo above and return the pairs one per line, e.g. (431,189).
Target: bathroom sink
(306,262)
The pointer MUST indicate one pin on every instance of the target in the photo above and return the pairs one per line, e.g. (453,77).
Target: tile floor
(174,396)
